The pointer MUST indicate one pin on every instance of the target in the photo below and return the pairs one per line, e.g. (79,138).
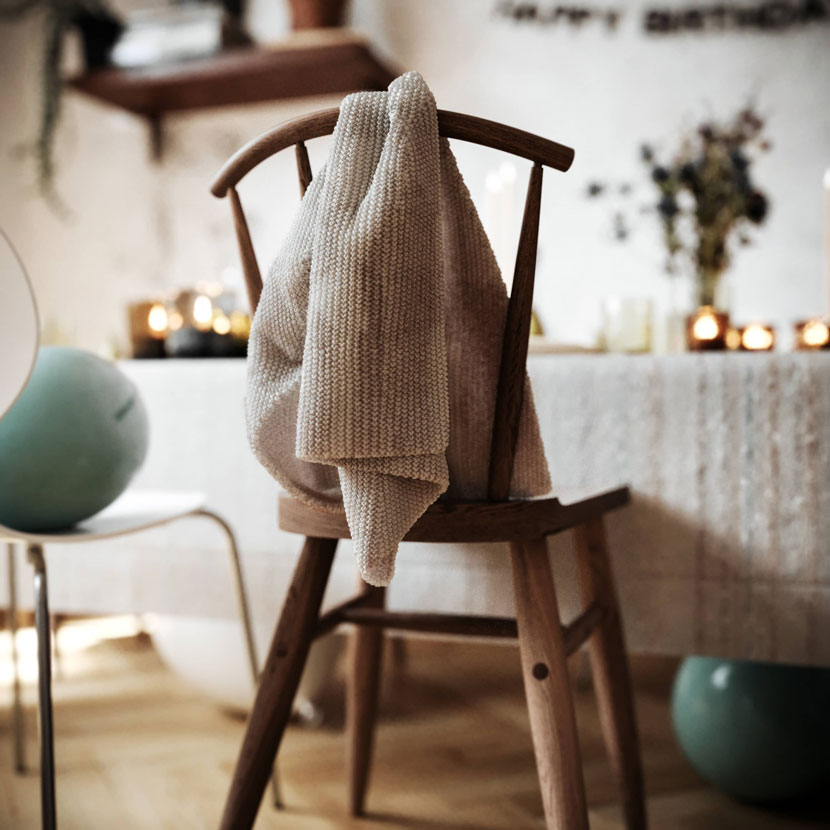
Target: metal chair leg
(44,656)
(245,614)
(17,704)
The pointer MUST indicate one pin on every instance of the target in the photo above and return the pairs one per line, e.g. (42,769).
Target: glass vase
(707,327)
(711,288)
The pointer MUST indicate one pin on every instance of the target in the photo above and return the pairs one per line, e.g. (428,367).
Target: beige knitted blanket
(374,353)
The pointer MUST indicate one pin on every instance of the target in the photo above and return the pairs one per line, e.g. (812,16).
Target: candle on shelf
(706,329)
(202,312)
(757,337)
(148,327)
(812,335)
(204,322)
(733,339)
(190,318)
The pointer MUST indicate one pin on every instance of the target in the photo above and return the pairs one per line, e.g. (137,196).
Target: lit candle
(157,321)
(202,312)
(148,327)
(706,329)
(189,322)
(812,334)
(757,338)
(221,323)
(202,322)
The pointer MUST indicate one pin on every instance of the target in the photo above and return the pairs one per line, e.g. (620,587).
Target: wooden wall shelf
(300,66)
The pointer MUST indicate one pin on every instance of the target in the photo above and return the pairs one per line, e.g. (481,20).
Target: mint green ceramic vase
(71,443)
(758,731)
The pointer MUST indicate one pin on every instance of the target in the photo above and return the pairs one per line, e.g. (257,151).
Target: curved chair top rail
(540,151)
(450,124)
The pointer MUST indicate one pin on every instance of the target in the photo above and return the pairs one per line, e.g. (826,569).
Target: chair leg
(247,626)
(362,691)
(547,688)
(609,663)
(44,657)
(17,701)
(278,683)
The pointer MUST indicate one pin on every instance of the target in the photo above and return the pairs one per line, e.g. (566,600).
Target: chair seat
(129,513)
(514,520)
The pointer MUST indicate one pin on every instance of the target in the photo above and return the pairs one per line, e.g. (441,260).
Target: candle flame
(705,327)
(733,339)
(757,338)
(240,324)
(157,318)
(174,321)
(816,333)
(221,324)
(202,312)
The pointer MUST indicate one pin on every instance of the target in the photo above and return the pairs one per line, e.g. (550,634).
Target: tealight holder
(812,335)
(148,328)
(626,324)
(707,329)
(203,322)
(756,337)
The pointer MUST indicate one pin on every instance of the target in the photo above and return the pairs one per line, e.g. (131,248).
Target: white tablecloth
(724,551)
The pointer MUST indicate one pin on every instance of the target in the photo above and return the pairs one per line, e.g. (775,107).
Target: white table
(724,551)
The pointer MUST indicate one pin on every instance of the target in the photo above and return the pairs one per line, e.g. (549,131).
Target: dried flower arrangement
(713,167)
(706,197)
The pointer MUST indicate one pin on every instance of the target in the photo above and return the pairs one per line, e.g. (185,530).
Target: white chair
(131,513)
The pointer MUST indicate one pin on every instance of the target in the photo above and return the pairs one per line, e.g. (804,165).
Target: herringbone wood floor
(139,750)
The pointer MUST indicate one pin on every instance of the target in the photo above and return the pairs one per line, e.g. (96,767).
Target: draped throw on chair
(374,354)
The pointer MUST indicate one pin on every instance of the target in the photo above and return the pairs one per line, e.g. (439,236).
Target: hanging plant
(99,30)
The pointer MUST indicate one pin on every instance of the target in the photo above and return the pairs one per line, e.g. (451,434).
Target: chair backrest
(542,152)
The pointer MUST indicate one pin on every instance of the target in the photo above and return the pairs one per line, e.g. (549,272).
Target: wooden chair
(544,642)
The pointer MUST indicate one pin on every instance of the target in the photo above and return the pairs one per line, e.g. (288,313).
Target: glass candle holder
(812,335)
(707,329)
(204,322)
(148,328)
(757,337)
(189,324)
(626,324)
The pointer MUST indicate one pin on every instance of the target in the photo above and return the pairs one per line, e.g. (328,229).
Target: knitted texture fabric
(374,352)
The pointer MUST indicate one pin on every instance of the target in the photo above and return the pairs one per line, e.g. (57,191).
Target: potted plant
(99,30)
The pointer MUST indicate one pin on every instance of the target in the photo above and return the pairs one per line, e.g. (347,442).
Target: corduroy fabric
(374,353)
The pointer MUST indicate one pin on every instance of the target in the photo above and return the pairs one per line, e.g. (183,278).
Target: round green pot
(758,731)
(71,443)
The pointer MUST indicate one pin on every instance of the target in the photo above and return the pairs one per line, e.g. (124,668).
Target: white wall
(137,228)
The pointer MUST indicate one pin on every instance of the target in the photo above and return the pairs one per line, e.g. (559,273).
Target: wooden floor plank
(139,750)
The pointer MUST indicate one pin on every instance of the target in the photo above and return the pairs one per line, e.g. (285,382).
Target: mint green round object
(71,443)
(758,731)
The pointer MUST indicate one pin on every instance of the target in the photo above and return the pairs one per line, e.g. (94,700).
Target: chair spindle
(514,347)
(250,268)
(303,166)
